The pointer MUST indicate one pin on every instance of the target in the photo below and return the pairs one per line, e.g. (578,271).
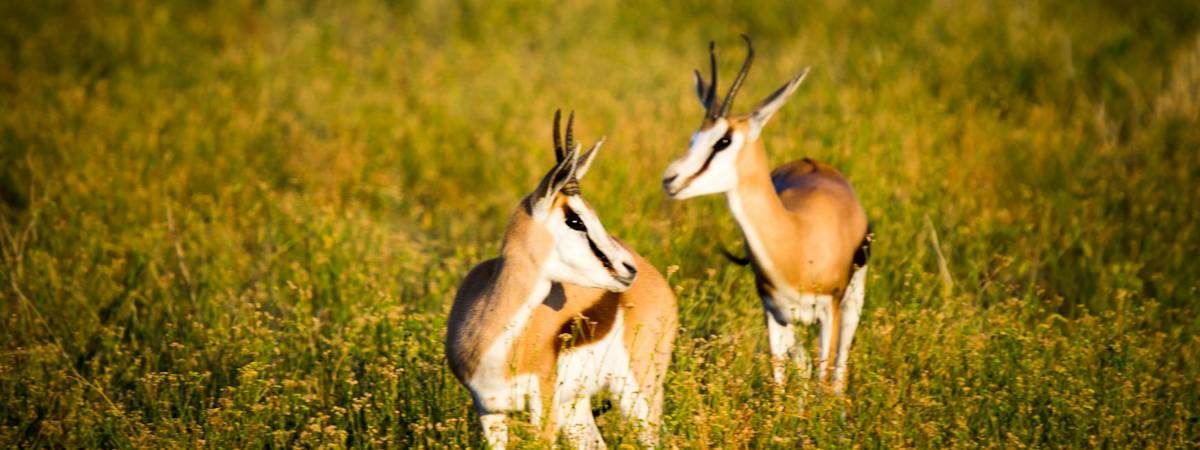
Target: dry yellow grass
(240,224)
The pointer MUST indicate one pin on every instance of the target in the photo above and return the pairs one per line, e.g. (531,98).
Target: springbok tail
(864,249)
(739,260)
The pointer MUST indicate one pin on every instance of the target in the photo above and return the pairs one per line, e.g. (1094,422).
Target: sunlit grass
(240,225)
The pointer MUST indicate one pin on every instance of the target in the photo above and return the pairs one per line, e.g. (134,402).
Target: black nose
(632,270)
(669,179)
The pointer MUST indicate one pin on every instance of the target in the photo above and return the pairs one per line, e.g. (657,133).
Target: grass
(238,224)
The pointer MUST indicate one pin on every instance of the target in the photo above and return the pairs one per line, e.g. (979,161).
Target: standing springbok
(805,230)
(565,312)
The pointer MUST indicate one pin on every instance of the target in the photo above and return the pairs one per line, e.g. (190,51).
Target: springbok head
(582,252)
(710,164)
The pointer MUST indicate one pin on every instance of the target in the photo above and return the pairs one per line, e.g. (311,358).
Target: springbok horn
(558,148)
(571,131)
(711,97)
(737,82)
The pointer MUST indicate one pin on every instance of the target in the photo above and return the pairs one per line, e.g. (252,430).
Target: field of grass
(238,224)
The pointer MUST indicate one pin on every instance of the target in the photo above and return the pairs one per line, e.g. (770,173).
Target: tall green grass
(239,224)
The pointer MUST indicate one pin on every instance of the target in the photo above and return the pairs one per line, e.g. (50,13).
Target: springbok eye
(573,221)
(722,143)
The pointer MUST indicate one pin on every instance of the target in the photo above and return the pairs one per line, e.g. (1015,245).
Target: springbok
(805,231)
(564,312)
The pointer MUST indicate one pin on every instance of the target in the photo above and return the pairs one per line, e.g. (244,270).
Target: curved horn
(711,97)
(571,131)
(737,82)
(558,148)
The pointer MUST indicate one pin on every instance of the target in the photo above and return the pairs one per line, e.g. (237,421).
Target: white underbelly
(581,371)
(495,392)
(585,371)
(798,307)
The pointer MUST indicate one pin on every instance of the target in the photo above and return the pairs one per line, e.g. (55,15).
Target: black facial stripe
(600,255)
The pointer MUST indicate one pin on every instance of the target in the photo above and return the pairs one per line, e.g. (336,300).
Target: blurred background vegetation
(240,224)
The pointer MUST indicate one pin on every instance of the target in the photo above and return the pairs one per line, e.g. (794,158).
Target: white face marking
(704,169)
(575,261)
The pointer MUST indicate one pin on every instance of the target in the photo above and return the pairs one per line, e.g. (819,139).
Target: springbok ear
(767,108)
(585,160)
(701,89)
(542,197)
